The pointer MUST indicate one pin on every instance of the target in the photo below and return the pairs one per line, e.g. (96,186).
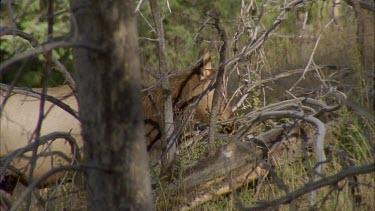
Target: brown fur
(20,115)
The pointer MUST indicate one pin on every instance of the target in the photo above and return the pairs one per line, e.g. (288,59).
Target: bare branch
(46,73)
(5,161)
(367,6)
(312,55)
(364,5)
(16,32)
(44,48)
(258,42)
(364,169)
(321,131)
(201,28)
(138,7)
(58,65)
(261,82)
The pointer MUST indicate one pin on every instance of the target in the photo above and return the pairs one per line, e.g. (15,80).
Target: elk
(185,87)
(20,116)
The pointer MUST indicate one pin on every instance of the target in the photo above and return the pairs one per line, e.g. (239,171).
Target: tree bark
(108,83)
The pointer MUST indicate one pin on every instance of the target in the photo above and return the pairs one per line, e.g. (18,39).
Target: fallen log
(234,165)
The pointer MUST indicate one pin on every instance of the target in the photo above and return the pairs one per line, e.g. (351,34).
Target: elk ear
(206,70)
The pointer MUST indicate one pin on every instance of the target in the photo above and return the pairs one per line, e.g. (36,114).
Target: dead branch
(235,152)
(367,6)
(331,180)
(232,166)
(45,75)
(201,28)
(321,131)
(138,7)
(312,55)
(242,159)
(42,48)
(363,5)
(259,41)
(237,163)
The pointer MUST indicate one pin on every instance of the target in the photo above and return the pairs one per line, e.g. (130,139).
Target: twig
(281,105)
(201,28)
(138,7)
(259,83)
(258,42)
(45,75)
(311,56)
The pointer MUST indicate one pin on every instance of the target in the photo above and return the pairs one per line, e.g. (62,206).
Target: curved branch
(16,32)
(31,93)
(321,131)
(5,161)
(58,65)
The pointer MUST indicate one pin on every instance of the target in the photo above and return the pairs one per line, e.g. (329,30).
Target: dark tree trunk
(108,83)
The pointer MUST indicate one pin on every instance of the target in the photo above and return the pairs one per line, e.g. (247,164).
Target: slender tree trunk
(108,83)
(360,29)
(218,85)
(167,130)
